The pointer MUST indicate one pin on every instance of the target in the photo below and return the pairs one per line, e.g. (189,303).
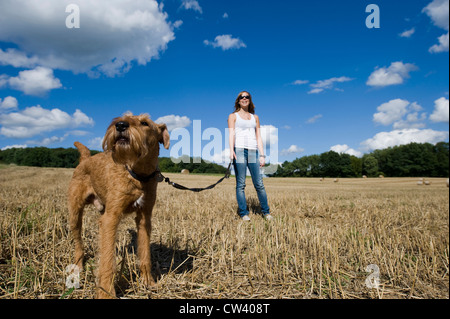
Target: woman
(247,151)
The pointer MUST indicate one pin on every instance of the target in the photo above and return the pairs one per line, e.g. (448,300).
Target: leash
(196,190)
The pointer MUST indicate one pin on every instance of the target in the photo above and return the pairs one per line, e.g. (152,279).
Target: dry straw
(322,238)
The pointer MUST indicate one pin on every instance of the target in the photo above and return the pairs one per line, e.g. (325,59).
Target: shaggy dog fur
(119,181)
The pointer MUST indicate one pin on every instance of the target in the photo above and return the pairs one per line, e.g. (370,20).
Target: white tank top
(245,133)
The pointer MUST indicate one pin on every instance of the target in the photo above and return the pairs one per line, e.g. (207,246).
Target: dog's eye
(144,123)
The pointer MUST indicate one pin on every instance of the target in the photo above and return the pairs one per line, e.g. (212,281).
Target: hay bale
(420,183)
(427,183)
(336,180)
(185,171)
(364,176)
(381,176)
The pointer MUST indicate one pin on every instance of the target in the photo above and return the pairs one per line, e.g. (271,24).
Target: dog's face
(134,137)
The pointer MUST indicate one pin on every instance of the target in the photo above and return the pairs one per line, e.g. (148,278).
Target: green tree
(345,166)
(356,165)
(330,164)
(370,165)
(441,150)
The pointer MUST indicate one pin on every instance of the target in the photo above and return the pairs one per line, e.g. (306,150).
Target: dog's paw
(147,281)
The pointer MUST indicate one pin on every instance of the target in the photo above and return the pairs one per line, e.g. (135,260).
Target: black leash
(197,190)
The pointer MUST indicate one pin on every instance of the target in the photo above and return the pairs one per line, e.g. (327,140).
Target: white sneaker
(246,218)
(268,217)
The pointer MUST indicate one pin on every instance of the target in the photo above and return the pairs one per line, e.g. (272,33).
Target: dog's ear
(108,139)
(164,137)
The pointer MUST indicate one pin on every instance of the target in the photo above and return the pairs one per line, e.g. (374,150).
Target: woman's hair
(251,106)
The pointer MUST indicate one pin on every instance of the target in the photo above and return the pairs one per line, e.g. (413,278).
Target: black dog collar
(142,178)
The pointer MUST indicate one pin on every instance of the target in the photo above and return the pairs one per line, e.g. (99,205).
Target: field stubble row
(322,238)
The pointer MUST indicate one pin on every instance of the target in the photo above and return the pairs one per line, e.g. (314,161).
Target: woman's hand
(262,161)
(232,155)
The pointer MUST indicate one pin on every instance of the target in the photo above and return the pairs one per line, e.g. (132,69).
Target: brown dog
(119,181)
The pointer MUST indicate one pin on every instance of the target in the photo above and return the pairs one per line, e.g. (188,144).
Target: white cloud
(36,120)
(35,82)
(328,84)
(401,114)
(391,111)
(438,11)
(174,121)
(49,140)
(8,103)
(177,24)
(412,120)
(345,149)
(400,137)
(440,113)
(78,133)
(113,34)
(442,46)
(300,82)
(395,74)
(191,5)
(46,141)
(96,143)
(14,146)
(225,15)
(226,42)
(408,122)
(314,119)
(293,149)
(3,80)
(17,59)
(407,33)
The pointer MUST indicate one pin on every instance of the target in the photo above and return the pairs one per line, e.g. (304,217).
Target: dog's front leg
(144,227)
(106,272)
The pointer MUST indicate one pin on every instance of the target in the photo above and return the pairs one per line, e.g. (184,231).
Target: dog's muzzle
(121,135)
(122,126)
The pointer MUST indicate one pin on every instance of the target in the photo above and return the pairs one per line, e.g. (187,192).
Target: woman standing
(247,151)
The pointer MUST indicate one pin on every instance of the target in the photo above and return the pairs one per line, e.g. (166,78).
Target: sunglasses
(244,97)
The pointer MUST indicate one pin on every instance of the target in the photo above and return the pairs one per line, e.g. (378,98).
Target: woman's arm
(262,157)
(231,126)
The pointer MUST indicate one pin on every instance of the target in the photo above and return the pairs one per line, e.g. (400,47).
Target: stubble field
(322,238)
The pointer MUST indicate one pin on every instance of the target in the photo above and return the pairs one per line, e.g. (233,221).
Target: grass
(319,244)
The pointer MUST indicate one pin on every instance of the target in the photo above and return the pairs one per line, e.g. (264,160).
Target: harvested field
(322,238)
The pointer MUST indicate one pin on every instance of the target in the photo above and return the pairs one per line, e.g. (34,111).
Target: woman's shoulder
(232,116)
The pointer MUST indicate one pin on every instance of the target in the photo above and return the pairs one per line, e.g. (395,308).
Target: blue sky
(319,77)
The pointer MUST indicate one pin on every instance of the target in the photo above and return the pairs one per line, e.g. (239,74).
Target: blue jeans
(248,159)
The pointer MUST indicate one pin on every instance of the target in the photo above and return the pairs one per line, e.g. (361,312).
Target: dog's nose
(122,126)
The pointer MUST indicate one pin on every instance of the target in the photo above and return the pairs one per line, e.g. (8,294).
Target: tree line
(42,157)
(411,160)
(193,165)
(69,158)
